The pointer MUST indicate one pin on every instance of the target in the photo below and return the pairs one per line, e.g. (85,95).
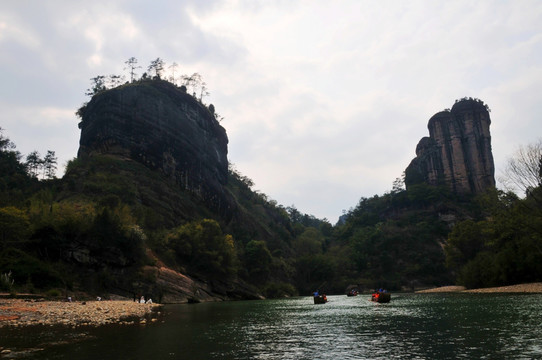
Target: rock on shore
(16,312)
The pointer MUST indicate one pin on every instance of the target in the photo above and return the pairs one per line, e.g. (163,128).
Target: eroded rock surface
(457,152)
(157,124)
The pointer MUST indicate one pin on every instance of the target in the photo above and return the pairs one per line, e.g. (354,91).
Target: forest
(90,230)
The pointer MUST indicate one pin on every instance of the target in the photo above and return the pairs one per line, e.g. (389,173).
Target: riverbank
(19,312)
(532,288)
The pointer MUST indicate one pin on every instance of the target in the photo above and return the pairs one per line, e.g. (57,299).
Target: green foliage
(504,248)
(14,226)
(310,242)
(465,241)
(204,248)
(313,271)
(258,260)
(29,268)
(111,235)
(96,224)
(279,290)
(15,183)
(53,293)
(395,240)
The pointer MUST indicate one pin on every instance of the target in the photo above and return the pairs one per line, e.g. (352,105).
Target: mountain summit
(162,127)
(457,152)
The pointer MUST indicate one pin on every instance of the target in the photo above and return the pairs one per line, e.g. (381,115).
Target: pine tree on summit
(131,64)
(156,66)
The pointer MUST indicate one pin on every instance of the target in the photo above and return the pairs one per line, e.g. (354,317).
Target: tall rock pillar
(457,152)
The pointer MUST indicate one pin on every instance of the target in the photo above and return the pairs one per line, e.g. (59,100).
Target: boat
(381,297)
(320,299)
(352,292)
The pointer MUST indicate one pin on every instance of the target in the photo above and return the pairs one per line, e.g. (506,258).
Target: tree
(193,83)
(203,247)
(309,242)
(524,170)
(49,165)
(14,176)
(294,214)
(203,91)
(258,260)
(98,85)
(5,143)
(398,184)
(173,68)
(131,64)
(115,80)
(156,66)
(465,241)
(34,163)
(14,226)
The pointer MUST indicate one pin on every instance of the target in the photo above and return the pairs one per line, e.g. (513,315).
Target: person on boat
(316,293)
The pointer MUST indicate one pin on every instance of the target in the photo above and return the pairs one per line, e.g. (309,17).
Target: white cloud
(324,102)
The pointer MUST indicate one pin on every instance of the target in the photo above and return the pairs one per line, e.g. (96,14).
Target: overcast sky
(323,101)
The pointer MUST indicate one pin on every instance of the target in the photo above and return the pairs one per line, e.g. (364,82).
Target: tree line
(503,245)
(35,166)
(192,84)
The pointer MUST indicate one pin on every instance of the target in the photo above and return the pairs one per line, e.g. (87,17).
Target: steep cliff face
(457,152)
(159,125)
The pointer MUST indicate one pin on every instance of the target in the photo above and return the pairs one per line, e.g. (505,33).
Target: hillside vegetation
(110,222)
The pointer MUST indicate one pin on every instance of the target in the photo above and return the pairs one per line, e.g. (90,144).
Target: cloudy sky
(323,101)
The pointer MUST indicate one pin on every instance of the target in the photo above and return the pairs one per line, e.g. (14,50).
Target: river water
(411,326)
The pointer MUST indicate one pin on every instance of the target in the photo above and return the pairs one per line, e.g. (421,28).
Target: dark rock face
(157,124)
(177,288)
(457,152)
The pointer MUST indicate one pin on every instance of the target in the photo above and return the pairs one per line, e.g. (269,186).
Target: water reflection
(410,327)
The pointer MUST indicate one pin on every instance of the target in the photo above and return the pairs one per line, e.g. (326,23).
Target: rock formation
(457,152)
(157,124)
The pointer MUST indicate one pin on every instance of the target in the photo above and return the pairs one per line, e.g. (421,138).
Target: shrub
(25,267)
(6,282)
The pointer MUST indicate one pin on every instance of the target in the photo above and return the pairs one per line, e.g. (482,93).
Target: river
(411,326)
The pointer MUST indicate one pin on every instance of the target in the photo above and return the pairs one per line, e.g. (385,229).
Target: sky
(323,101)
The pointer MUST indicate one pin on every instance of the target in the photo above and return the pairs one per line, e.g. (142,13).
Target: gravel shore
(521,288)
(18,312)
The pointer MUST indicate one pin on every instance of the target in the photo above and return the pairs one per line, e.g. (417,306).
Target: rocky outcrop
(157,124)
(457,152)
(174,287)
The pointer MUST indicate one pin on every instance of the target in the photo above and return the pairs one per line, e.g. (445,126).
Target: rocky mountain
(157,124)
(457,152)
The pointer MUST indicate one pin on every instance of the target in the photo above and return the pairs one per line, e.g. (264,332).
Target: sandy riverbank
(18,312)
(520,288)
